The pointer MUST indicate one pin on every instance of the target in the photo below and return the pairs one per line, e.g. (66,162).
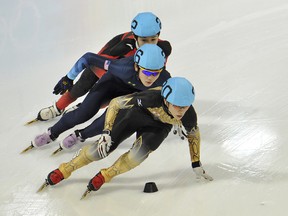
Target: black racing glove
(63,85)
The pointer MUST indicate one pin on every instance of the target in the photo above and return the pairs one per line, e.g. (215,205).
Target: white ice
(234,52)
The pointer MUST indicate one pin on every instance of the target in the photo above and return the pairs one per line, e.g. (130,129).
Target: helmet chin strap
(136,41)
(136,68)
(137,45)
(166,102)
(166,108)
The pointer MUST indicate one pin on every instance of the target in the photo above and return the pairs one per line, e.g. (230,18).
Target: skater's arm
(87,60)
(119,46)
(115,105)
(193,137)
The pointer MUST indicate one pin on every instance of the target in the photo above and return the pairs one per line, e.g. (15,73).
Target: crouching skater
(151,114)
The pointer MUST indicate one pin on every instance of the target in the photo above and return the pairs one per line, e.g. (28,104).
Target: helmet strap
(166,107)
(136,39)
(136,67)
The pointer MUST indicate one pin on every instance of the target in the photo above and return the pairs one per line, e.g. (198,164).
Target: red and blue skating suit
(121,46)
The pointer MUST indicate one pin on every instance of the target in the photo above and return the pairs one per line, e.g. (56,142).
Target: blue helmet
(150,56)
(146,25)
(178,91)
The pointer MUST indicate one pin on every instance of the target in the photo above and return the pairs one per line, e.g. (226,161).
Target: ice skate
(53,178)
(46,114)
(27,149)
(57,150)
(94,184)
(49,113)
(39,141)
(43,186)
(42,139)
(32,121)
(69,141)
(85,193)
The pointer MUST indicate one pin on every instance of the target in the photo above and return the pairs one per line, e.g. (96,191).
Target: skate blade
(85,194)
(27,149)
(31,122)
(43,186)
(56,152)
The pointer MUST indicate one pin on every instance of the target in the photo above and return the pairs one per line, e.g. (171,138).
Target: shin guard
(127,161)
(79,160)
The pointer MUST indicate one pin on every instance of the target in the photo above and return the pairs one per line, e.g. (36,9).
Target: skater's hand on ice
(200,172)
(63,85)
(104,144)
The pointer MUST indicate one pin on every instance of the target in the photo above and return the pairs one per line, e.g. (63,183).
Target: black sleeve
(123,47)
(189,120)
(118,47)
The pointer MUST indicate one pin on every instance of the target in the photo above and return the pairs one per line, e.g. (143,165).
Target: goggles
(150,72)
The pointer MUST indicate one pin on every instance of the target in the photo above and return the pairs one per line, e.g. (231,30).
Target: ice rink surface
(234,52)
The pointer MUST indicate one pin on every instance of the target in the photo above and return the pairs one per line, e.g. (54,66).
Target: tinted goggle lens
(149,72)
